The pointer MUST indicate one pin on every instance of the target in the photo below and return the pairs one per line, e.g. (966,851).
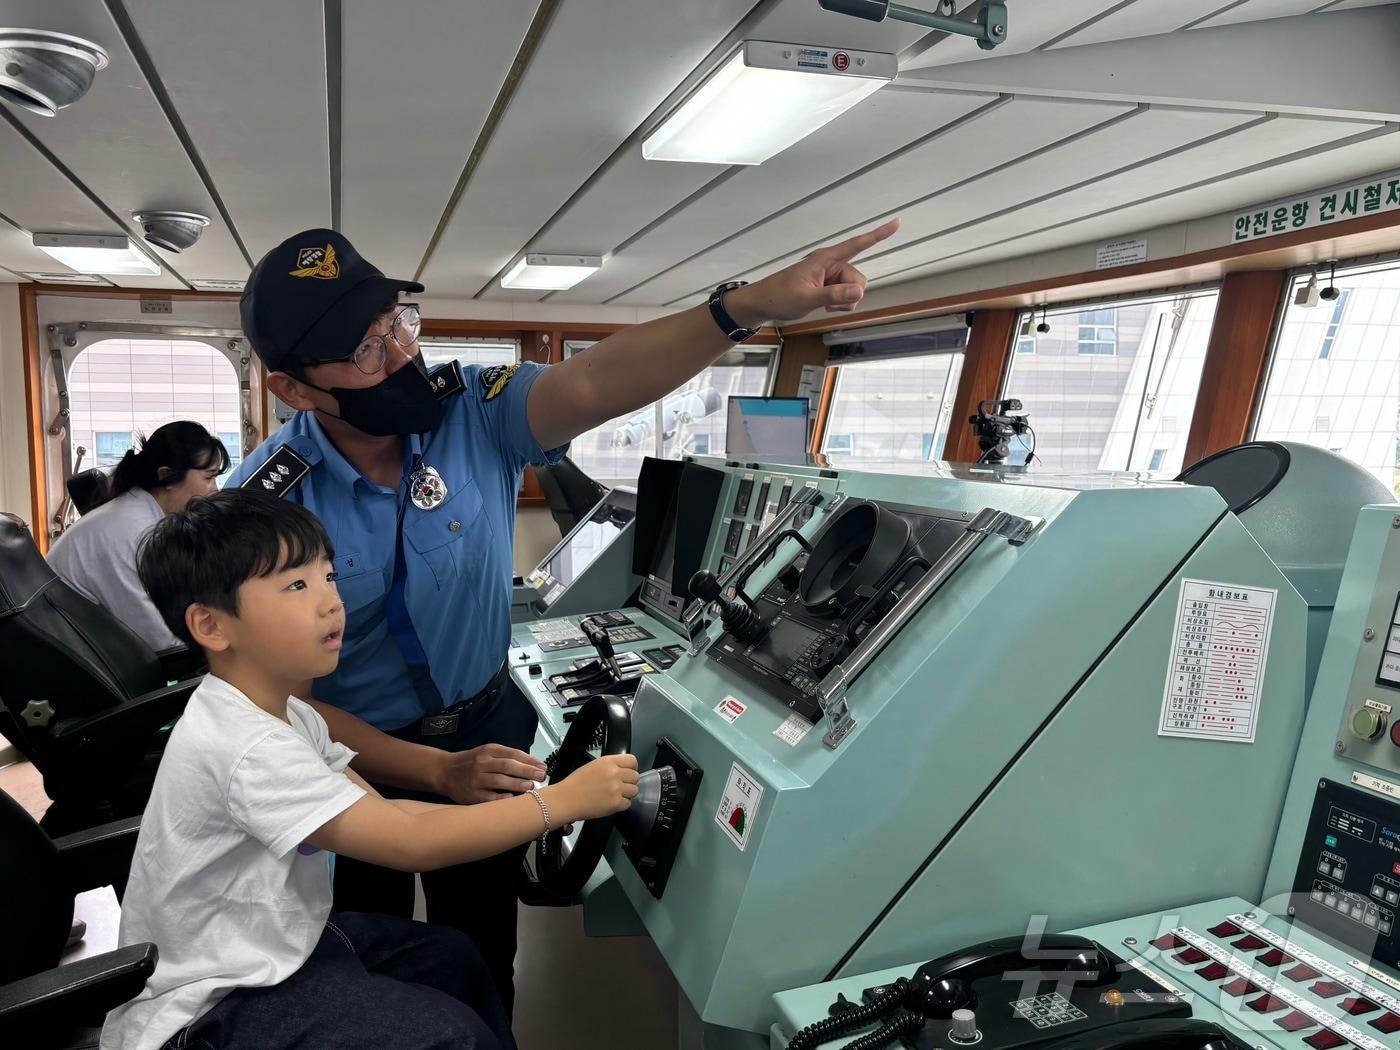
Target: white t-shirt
(96,556)
(222,880)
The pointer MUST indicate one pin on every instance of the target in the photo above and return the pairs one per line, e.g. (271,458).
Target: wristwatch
(727,325)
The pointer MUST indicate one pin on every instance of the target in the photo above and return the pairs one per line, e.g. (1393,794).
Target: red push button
(1250,943)
(1327,989)
(1274,957)
(1357,1006)
(1167,941)
(1325,1039)
(1387,1023)
(1191,956)
(1301,972)
(1395,734)
(1266,1004)
(1225,929)
(1214,972)
(1295,1022)
(1239,986)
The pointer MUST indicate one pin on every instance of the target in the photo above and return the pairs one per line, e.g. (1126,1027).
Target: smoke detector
(172,230)
(42,71)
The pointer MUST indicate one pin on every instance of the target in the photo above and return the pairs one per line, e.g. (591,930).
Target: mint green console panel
(1008,732)
(1100,816)
(1346,680)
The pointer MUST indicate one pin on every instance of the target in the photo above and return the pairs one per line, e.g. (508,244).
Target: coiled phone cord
(889,1034)
(852,1020)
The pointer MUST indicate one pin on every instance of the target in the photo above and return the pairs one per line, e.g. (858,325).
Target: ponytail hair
(181,446)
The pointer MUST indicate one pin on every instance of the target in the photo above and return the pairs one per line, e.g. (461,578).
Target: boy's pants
(480,898)
(373,981)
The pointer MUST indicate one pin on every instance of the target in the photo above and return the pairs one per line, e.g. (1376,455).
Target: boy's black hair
(201,555)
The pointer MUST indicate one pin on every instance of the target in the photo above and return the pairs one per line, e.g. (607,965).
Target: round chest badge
(426,488)
(841,61)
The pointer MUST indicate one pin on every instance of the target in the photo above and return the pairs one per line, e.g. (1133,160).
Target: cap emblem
(317,262)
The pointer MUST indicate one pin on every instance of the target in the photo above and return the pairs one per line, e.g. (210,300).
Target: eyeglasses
(370,355)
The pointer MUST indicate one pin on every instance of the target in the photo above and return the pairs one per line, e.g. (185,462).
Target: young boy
(229,878)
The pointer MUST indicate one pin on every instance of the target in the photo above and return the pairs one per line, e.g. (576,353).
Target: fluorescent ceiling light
(65,278)
(765,97)
(103,253)
(216,284)
(551,272)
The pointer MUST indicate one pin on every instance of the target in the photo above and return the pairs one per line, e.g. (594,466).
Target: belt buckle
(440,725)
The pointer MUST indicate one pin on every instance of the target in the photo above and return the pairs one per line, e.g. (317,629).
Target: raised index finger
(850,248)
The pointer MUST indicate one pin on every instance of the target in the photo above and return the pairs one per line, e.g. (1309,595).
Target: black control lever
(738,618)
(598,635)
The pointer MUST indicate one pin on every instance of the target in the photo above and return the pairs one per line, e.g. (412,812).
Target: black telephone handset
(943,985)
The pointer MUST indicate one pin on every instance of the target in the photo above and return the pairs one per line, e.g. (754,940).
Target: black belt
(448,719)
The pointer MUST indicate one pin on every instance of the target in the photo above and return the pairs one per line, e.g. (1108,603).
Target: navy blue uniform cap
(312,298)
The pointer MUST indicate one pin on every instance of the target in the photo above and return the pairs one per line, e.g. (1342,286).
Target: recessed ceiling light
(551,272)
(42,71)
(216,284)
(96,253)
(765,97)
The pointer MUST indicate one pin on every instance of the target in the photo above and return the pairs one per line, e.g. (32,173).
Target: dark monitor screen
(767,426)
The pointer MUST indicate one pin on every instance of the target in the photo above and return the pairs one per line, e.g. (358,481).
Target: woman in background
(96,555)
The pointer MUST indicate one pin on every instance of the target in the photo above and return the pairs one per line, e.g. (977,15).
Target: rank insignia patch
(495,378)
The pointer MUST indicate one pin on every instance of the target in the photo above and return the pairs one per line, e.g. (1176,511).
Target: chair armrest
(80,992)
(137,718)
(100,856)
(178,663)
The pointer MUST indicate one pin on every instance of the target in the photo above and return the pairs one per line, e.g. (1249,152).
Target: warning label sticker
(738,806)
(730,708)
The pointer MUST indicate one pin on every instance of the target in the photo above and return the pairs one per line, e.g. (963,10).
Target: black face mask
(403,403)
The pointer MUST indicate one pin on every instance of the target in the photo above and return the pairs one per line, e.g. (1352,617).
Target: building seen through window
(1334,373)
(896,408)
(121,388)
(1113,387)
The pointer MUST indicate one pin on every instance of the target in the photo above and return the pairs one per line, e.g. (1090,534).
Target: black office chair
(45,1006)
(88,701)
(89,488)
(570,492)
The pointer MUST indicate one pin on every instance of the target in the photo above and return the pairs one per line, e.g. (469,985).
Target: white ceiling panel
(1262,140)
(1256,10)
(37,198)
(1028,26)
(418,82)
(1351,5)
(1323,168)
(996,138)
(1142,18)
(248,80)
(582,96)
(883,123)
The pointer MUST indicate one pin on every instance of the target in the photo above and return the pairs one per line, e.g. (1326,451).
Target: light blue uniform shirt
(458,555)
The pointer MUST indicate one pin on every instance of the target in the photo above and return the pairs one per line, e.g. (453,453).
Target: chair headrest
(89,488)
(23,571)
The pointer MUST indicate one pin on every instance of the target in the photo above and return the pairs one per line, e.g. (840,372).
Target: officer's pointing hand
(825,279)
(489,772)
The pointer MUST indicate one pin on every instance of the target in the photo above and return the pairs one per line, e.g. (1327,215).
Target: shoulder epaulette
(280,473)
(447,380)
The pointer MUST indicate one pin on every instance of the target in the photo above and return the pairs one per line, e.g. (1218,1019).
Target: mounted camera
(995,425)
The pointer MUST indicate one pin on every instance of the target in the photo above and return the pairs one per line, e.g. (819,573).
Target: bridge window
(1334,373)
(895,408)
(1113,387)
(119,388)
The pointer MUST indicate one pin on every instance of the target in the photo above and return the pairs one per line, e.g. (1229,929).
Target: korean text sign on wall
(1319,209)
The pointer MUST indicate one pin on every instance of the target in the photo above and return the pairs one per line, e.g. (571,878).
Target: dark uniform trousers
(479,898)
